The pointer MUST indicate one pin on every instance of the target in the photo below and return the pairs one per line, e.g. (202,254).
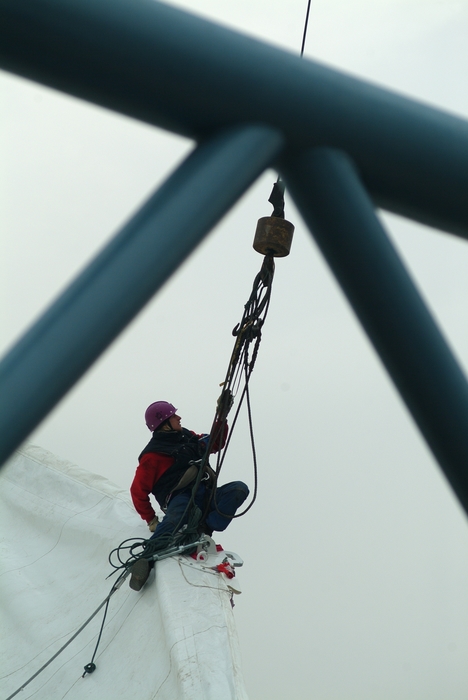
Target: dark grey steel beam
(161,65)
(332,200)
(78,327)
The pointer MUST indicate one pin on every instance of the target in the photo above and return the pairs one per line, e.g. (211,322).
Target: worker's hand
(153,524)
(224,404)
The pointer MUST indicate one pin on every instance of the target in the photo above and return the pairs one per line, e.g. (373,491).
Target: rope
(105,602)
(306,24)
(248,334)
(246,393)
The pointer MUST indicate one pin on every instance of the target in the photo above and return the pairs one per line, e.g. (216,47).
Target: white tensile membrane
(175,639)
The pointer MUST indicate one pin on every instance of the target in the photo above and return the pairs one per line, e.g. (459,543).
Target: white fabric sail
(174,640)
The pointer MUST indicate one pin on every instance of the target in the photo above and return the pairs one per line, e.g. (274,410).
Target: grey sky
(356,575)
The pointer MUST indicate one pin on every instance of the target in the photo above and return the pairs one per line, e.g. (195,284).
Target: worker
(168,468)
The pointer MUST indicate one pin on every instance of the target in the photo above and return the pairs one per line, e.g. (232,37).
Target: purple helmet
(157,413)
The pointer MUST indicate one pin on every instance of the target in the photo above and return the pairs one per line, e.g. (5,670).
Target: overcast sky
(356,552)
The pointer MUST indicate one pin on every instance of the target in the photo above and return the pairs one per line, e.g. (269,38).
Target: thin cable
(104,602)
(305,29)
(89,668)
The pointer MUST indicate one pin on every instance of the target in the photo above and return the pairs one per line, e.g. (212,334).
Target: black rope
(89,668)
(245,394)
(74,636)
(248,334)
(306,24)
(277,195)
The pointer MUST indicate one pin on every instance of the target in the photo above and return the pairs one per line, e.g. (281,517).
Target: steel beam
(332,200)
(164,66)
(78,327)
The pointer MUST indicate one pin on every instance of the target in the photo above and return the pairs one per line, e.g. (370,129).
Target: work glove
(153,523)
(224,404)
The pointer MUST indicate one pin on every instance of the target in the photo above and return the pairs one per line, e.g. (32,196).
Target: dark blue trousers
(228,499)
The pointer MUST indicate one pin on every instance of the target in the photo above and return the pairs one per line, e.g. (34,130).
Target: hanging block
(273,235)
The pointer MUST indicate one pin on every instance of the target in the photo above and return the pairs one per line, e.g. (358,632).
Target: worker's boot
(139,574)
(203,529)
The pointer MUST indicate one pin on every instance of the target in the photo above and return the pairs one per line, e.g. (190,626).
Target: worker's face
(175,422)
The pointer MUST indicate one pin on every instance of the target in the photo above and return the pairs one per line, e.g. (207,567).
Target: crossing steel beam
(109,293)
(341,217)
(180,72)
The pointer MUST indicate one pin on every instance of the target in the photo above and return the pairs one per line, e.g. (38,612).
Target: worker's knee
(239,490)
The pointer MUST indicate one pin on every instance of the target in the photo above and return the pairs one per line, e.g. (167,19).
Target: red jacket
(151,467)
